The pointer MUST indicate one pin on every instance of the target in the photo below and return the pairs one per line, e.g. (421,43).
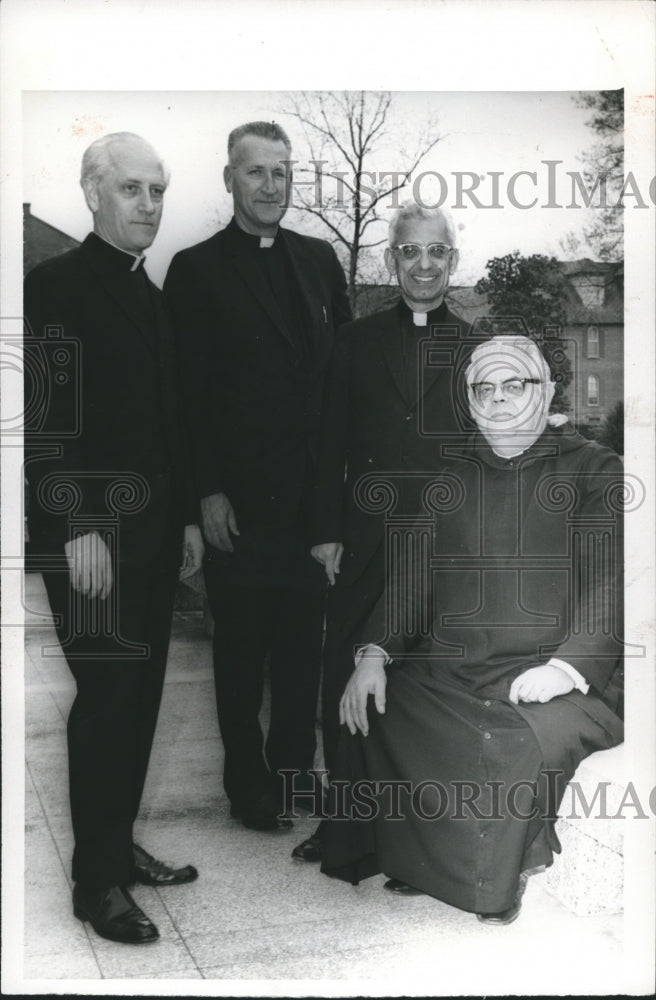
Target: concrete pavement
(257,922)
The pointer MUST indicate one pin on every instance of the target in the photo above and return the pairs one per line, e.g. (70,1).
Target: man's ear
(453,263)
(90,188)
(389,261)
(227,177)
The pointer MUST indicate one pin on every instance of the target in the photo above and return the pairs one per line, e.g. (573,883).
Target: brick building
(595,330)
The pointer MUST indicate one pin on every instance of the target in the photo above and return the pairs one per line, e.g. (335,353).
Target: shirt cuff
(371,645)
(580,682)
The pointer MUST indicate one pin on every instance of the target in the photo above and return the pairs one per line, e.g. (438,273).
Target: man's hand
(192,551)
(369,677)
(329,554)
(218,521)
(90,565)
(541,684)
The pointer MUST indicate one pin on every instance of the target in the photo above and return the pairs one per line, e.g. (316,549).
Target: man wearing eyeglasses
(487,710)
(389,407)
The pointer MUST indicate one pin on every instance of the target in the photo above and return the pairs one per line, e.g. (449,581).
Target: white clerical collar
(137,257)
(515,454)
(420,319)
(266,242)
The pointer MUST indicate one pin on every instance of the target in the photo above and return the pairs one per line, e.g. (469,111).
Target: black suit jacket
(103,410)
(380,426)
(252,405)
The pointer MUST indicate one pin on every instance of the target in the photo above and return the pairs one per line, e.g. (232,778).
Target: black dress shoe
(308,850)
(114,915)
(254,820)
(395,885)
(507,916)
(149,871)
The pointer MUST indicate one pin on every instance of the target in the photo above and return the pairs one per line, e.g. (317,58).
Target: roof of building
(41,240)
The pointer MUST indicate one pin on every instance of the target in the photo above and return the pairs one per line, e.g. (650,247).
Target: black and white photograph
(327,508)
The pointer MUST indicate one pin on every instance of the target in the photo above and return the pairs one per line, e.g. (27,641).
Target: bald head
(124,181)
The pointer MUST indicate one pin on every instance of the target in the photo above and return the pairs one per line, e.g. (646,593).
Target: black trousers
(116,650)
(255,616)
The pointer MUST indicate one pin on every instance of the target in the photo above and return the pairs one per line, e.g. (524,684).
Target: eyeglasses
(512,387)
(412,251)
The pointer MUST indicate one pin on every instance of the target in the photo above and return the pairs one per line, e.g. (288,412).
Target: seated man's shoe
(308,850)
(114,915)
(507,916)
(149,871)
(400,888)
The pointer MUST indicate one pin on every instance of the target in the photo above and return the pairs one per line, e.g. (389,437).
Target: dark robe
(524,562)
(393,402)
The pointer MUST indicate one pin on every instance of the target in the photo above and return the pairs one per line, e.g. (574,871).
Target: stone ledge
(588,876)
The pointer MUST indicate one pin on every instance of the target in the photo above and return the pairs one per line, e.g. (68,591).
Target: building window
(593,390)
(590,288)
(593,341)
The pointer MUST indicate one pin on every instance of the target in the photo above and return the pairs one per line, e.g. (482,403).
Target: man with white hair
(109,500)
(484,715)
(389,409)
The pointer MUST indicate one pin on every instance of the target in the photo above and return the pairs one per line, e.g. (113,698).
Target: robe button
(410,415)
(487,703)
(487,736)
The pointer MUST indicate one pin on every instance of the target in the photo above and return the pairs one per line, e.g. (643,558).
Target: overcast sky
(480,133)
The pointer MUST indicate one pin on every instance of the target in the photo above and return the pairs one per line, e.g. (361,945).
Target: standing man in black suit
(255,308)
(109,500)
(390,408)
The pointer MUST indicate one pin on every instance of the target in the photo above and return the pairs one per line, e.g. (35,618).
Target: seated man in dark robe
(496,640)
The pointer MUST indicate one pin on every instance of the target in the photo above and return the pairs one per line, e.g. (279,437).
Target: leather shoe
(148,871)
(400,888)
(265,823)
(114,915)
(308,850)
(507,916)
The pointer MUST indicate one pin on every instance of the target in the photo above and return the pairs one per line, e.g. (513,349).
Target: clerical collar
(250,240)
(111,258)
(424,318)
(137,258)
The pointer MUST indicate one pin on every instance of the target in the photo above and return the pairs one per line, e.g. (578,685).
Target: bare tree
(604,166)
(347,133)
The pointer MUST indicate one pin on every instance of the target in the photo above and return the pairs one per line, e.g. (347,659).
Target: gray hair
(263,130)
(515,345)
(97,158)
(410,210)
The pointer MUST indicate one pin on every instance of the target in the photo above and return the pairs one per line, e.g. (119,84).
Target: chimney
(26,210)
